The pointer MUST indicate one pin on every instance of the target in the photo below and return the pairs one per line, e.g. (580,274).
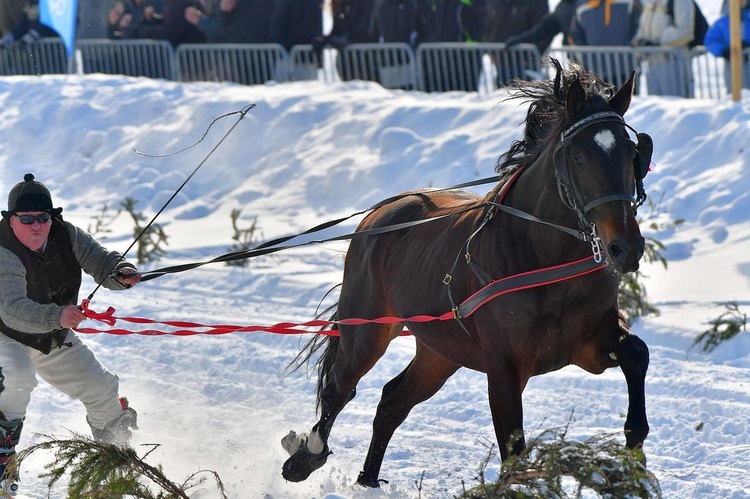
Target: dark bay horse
(539,298)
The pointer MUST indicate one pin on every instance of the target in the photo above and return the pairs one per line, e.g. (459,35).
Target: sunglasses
(42,218)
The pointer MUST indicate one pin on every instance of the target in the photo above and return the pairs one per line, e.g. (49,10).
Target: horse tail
(326,359)
(325,362)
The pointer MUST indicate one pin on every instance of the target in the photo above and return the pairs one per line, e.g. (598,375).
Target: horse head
(600,170)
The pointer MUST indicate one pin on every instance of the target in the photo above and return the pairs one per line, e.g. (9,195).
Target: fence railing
(433,67)
(248,64)
(150,58)
(474,67)
(659,70)
(46,57)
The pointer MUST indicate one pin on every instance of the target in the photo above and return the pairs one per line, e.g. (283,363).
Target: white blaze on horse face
(606,140)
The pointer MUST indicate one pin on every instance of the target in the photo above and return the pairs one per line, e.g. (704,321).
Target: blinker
(643,156)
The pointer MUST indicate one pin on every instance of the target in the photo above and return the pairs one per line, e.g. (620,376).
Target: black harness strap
(273,246)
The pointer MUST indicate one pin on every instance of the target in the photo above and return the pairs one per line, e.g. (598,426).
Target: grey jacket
(23,314)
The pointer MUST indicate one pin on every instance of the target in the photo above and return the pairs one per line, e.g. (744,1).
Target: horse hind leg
(421,379)
(346,360)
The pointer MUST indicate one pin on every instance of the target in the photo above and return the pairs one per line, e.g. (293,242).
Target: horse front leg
(632,353)
(505,388)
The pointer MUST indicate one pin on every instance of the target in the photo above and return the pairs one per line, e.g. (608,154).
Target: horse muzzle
(625,254)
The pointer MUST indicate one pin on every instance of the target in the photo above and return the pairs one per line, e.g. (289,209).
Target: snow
(308,153)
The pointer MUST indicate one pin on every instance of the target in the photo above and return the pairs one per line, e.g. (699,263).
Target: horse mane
(546,113)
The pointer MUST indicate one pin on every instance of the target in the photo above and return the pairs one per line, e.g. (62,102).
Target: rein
(468,307)
(490,290)
(276,245)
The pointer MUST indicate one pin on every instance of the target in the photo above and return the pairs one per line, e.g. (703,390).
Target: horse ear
(574,99)
(620,102)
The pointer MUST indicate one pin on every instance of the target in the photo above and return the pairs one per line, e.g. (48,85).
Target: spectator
(506,18)
(92,19)
(127,19)
(10,14)
(454,20)
(216,22)
(351,23)
(233,21)
(398,21)
(28,29)
(174,28)
(41,259)
(717,43)
(662,28)
(296,22)
(607,23)
(557,21)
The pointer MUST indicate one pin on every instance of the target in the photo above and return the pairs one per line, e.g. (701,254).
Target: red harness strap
(526,280)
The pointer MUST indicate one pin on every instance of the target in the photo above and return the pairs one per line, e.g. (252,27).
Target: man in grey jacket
(41,259)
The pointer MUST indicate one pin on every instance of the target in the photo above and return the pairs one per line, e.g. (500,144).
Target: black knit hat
(29,195)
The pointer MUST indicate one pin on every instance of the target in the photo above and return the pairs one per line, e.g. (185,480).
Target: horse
(536,262)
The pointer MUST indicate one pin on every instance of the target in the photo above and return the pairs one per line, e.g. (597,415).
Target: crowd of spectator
(665,23)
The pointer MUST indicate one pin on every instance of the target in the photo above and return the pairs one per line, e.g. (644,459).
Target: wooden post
(735,48)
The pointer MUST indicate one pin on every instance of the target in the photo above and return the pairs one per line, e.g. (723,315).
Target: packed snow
(310,152)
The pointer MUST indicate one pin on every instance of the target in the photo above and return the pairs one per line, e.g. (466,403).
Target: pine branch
(599,464)
(105,471)
(725,327)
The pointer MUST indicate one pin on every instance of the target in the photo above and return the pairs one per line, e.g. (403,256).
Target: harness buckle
(447,279)
(468,257)
(455,311)
(597,248)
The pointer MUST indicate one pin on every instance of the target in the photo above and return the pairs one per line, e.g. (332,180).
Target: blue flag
(60,15)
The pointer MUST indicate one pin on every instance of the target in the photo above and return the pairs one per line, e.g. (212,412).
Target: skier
(41,258)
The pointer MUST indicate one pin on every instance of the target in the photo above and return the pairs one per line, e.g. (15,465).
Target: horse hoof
(373,483)
(298,467)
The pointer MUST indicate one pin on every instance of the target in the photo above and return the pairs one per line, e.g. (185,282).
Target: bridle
(569,192)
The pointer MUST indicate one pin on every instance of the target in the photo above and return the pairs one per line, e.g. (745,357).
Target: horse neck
(535,191)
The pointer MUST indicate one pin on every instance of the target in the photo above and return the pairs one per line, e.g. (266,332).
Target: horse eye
(578,159)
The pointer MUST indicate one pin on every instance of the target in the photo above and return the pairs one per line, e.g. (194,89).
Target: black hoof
(373,483)
(298,467)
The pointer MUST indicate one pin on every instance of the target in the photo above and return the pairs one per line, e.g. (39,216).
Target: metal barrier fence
(390,64)
(712,73)
(474,67)
(248,64)
(659,70)
(434,67)
(150,58)
(47,56)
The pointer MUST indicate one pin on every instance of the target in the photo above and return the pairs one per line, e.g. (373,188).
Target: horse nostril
(617,252)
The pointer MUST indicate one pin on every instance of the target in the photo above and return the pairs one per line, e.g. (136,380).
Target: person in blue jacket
(717,43)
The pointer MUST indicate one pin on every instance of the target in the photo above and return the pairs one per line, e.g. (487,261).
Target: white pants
(73,369)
